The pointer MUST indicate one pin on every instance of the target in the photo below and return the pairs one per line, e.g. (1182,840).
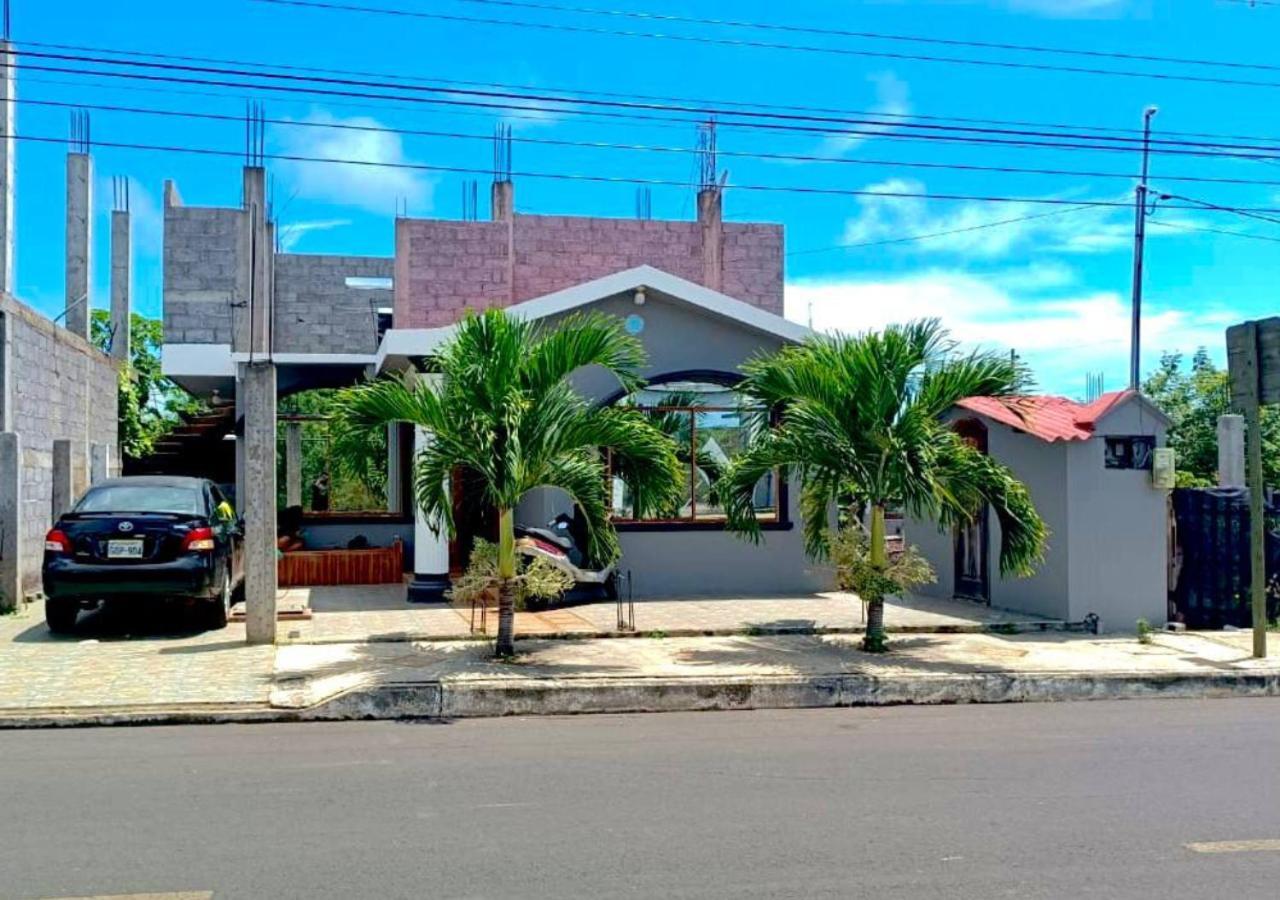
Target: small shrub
(536,579)
(1145,631)
(850,549)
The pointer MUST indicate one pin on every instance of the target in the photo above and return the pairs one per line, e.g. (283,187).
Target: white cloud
(1072,9)
(893,102)
(960,225)
(377,188)
(1062,336)
(291,233)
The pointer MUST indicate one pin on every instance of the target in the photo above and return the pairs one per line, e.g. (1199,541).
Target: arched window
(710,423)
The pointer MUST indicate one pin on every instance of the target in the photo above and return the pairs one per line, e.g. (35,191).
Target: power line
(1241,234)
(608,145)
(1249,213)
(870,35)
(936,234)
(618,179)
(525,101)
(768,45)
(887,118)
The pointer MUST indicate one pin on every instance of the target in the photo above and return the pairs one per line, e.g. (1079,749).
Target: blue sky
(1055,288)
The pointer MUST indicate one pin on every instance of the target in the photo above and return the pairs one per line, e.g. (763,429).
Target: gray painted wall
(58,388)
(684,562)
(1119,522)
(1107,550)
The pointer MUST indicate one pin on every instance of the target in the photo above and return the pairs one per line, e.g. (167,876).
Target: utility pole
(1139,245)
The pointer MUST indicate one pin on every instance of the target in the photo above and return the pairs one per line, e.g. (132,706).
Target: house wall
(58,387)
(1042,468)
(315,310)
(681,561)
(445,267)
(1118,532)
(203,276)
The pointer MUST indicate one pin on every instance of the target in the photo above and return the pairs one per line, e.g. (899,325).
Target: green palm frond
(859,416)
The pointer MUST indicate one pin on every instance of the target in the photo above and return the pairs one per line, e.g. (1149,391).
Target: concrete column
(7,375)
(258,505)
(10,520)
(79,242)
(293,464)
(1231,451)
(63,493)
(258,259)
(395,472)
(99,462)
(121,282)
(710,217)
(239,433)
(8,238)
(502,201)
(430,550)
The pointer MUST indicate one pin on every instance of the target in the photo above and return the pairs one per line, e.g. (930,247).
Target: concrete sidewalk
(455,679)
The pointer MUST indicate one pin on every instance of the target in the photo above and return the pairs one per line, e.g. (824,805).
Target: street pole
(1139,247)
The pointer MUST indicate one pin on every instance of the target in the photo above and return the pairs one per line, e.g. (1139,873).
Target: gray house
(1088,467)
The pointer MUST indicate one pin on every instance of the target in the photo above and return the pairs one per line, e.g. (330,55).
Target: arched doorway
(973,541)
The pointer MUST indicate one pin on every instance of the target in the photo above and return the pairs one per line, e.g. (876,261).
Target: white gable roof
(405,342)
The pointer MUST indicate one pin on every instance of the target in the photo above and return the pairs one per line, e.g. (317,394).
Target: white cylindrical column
(430,550)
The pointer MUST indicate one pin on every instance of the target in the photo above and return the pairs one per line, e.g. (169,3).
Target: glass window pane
(142,498)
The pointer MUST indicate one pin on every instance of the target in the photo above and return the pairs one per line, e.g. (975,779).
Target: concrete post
(63,490)
(1231,451)
(10,520)
(430,550)
(8,98)
(258,258)
(259,501)
(121,282)
(293,464)
(79,242)
(710,217)
(99,463)
(7,375)
(395,473)
(502,201)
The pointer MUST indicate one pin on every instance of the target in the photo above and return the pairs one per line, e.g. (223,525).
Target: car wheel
(220,609)
(60,615)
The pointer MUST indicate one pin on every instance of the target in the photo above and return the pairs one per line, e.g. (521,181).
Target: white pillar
(1231,451)
(430,550)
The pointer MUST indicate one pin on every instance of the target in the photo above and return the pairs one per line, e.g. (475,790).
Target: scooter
(560,543)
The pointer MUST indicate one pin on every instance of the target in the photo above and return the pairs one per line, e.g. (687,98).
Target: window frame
(779,520)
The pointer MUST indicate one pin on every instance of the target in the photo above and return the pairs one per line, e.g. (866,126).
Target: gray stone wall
(316,312)
(57,387)
(203,276)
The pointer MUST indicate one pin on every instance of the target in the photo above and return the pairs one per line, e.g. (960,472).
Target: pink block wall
(445,267)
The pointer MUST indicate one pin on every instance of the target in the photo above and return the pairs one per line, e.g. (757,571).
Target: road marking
(178,895)
(1235,846)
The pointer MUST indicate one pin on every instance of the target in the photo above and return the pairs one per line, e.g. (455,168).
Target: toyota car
(147,536)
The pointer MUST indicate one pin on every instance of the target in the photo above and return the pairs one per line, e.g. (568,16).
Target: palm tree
(501,407)
(860,424)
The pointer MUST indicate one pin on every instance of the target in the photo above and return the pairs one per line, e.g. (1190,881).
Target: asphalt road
(1037,800)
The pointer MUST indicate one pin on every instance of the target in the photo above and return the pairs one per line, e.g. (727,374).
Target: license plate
(124,549)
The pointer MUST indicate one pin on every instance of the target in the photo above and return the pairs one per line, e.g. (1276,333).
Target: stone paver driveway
(124,658)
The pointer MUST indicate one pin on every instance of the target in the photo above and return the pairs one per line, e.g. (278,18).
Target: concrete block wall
(59,388)
(203,275)
(445,267)
(315,310)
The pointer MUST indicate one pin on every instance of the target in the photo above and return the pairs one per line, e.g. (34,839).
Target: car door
(230,535)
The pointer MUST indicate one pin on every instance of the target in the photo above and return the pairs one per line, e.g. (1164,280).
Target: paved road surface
(1075,800)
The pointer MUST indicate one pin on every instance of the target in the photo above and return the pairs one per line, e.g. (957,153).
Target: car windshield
(154,498)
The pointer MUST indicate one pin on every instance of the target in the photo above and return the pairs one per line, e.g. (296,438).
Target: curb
(489,698)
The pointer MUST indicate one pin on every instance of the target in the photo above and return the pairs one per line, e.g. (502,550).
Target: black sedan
(155,536)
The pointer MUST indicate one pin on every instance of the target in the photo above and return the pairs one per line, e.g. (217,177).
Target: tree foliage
(497,402)
(150,405)
(861,423)
(1194,397)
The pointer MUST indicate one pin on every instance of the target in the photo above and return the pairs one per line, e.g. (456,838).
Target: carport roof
(1052,418)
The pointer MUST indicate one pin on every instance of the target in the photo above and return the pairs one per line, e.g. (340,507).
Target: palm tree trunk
(506,583)
(875,640)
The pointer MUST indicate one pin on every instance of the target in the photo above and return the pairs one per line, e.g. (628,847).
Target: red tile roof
(1046,417)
